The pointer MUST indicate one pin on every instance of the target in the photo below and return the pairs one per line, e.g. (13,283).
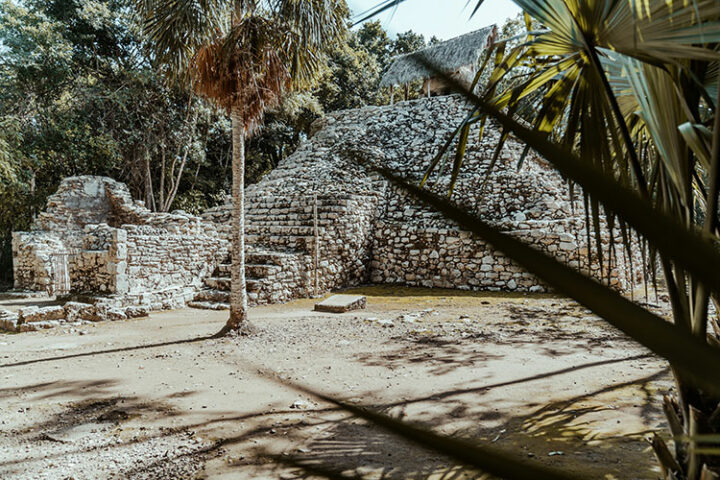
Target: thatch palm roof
(447,57)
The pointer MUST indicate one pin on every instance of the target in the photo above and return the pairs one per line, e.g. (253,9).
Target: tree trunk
(238,293)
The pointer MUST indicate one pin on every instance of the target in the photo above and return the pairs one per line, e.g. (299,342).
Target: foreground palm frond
(622,97)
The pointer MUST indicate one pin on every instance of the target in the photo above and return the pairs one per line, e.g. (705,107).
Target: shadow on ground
(555,435)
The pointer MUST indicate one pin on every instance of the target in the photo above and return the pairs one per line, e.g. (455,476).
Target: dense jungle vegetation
(82,94)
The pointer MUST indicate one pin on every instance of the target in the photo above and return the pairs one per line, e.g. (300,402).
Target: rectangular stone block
(342,303)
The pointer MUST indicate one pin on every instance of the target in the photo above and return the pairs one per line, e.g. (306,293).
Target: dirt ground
(158,398)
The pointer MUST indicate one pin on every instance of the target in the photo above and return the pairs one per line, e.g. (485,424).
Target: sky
(443,18)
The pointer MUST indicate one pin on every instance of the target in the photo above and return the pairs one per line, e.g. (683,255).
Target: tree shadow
(49,390)
(441,354)
(555,435)
(343,444)
(107,351)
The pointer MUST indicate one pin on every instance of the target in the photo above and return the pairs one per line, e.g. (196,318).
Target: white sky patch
(443,18)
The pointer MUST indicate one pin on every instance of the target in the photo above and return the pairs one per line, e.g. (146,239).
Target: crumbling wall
(281,240)
(100,265)
(346,226)
(367,229)
(157,260)
(170,262)
(32,265)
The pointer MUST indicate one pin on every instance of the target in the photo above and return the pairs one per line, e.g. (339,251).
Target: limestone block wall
(416,246)
(280,233)
(158,260)
(164,260)
(347,223)
(530,201)
(32,262)
(452,258)
(367,230)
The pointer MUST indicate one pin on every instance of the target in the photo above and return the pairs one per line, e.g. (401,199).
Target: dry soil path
(158,399)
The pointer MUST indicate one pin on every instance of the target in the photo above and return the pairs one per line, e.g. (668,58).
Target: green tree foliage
(351,79)
(80,94)
(373,37)
(408,42)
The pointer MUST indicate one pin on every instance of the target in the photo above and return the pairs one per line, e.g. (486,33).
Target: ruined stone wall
(452,258)
(346,226)
(32,259)
(164,260)
(529,201)
(415,246)
(158,260)
(100,265)
(367,230)
(284,226)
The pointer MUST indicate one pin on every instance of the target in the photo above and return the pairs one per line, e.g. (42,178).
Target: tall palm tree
(243,55)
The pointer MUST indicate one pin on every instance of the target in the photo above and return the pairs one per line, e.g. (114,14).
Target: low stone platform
(341,304)
(31,318)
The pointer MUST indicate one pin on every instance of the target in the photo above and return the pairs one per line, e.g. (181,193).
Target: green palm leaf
(695,358)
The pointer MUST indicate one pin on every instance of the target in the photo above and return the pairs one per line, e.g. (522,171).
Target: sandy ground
(158,398)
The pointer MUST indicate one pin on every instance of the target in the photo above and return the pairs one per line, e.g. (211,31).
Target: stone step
(279,230)
(261,270)
(259,256)
(218,290)
(304,219)
(218,283)
(254,214)
(253,284)
(212,296)
(254,273)
(296,210)
(224,270)
(295,242)
(290,201)
(269,257)
(253,217)
(209,305)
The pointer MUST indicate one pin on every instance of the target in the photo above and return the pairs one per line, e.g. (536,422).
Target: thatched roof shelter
(447,56)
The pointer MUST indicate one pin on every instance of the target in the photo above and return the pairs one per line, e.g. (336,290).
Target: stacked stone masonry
(320,221)
(117,252)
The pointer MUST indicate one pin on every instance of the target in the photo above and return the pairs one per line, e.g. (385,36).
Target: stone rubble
(34,318)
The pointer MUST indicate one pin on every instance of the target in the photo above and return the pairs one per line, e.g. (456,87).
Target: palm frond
(682,349)
(179,28)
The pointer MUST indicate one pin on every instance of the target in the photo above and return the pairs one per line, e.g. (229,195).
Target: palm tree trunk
(238,293)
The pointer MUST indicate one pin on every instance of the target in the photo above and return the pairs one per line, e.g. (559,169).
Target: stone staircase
(279,239)
(259,267)
(280,247)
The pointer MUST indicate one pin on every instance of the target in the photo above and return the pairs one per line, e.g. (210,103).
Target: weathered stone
(44,314)
(316,223)
(8,321)
(39,325)
(137,312)
(90,313)
(114,314)
(341,303)
(73,309)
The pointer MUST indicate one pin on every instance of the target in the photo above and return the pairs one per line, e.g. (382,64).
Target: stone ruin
(318,222)
(113,257)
